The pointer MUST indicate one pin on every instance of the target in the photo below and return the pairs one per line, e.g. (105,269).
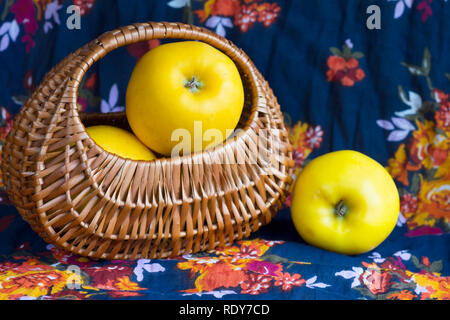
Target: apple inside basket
(194,101)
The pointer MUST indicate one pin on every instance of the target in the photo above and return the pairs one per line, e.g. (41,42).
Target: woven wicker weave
(94,203)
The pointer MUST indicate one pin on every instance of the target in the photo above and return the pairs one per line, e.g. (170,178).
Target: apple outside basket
(79,197)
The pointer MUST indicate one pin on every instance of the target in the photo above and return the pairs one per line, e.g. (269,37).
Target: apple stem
(341,209)
(194,85)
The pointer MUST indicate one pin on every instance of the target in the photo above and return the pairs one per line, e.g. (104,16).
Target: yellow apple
(178,86)
(345,202)
(120,142)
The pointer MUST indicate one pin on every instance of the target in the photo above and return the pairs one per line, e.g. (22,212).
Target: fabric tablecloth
(346,77)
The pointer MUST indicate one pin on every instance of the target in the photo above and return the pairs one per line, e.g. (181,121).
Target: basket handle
(105,43)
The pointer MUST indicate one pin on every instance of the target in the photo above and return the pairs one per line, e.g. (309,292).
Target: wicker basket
(77,196)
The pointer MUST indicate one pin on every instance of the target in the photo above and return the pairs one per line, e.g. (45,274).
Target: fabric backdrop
(383,92)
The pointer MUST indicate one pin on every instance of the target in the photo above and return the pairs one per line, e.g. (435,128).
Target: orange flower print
(30,278)
(246,17)
(125,284)
(402,295)
(397,166)
(224,7)
(268,13)
(434,200)
(287,281)
(442,116)
(219,275)
(434,286)
(304,139)
(425,148)
(343,65)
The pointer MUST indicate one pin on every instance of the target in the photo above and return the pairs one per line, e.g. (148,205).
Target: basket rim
(241,60)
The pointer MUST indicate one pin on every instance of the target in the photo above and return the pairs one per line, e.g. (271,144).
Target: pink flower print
(263,267)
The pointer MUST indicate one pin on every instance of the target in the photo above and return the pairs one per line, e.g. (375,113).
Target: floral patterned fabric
(384,92)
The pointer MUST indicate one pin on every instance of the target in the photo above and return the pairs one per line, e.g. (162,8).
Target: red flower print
(347,81)
(5,222)
(256,284)
(351,63)
(67,294)
(91,81)
(138,49)
(268,13)
(287,281)
(425,8)
(442,116)
(345,71)
(343,67)
(24,247)
(104,277)
(314,137)
(121,294)
(82,104)
(438,156)
(395,265)
(246,17)
(85,5)
(377,282)
(299,157)
(359,74)
(408,203)
(25,13)
(441,96)
(426,261)
(219,14)
(336,64)
(227,8)
(29,42)
(7,265)
(288,200)
(28,81)
(6,123)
